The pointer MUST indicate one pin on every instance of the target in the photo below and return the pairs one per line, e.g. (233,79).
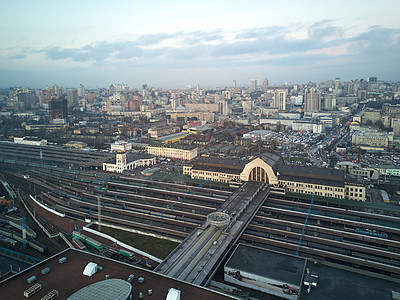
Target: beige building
(271,169)
(202,107)
(159,131)
(234,170)
(185,116)
(372,115)
(321,182)
(372,140)
(128,161)
(174,151)
(76,145)
(121,146)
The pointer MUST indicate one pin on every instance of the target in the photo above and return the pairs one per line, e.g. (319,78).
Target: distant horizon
(139,86)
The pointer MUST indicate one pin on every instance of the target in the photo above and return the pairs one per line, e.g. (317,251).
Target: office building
(312,100)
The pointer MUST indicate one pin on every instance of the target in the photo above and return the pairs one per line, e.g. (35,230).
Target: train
(367,231)
(91,242)
(149,263)
(78,244)
(127,254)
(30,241)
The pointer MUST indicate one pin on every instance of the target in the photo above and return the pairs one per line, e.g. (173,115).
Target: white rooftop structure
(90,269)
(173,294)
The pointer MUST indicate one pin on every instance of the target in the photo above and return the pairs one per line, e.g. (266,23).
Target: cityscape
(213,150)
(317,166)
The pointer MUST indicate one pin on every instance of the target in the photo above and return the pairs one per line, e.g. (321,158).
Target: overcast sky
(181,43)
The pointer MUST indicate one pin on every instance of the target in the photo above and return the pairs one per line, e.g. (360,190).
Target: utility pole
(99,212)
(24,232)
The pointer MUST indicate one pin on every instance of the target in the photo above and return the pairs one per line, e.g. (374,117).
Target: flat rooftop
(268,264)
(335,283)
(68,278)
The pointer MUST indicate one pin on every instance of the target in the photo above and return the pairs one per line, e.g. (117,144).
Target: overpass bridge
(198,257)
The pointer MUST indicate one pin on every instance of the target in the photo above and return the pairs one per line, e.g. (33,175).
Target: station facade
(270,168)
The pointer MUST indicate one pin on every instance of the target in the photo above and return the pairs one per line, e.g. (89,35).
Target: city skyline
(175,44)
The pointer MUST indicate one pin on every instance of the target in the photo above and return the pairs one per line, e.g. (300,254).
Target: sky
(176,44)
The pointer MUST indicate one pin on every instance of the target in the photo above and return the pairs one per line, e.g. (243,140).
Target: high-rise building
(112,89)
(330,102)
(81,91)
(265,84)
(58,110)
(280,99)
(174,103)
(396,127)
(247,106)
(234,84)
(55,91)
(91,97)
(72,98)
(253,85)
(296,100)
(337,86)
(121,87)
(312,100)
(223,107)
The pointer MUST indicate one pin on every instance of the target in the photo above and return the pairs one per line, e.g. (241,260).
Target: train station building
(270,168)
(128,161)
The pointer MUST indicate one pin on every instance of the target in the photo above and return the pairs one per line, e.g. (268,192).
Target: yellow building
(270,168)
(261,168)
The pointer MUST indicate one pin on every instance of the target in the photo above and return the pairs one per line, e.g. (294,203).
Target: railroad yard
(64,199)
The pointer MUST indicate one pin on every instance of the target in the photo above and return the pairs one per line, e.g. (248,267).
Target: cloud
(319,44)
(324,30)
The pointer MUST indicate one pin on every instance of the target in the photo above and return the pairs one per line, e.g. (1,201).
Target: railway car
(94,243)
(372,232)
(37,246)
(78,244)
(31,243)
(6,233)
(149,263)
(127,253)
(79,236)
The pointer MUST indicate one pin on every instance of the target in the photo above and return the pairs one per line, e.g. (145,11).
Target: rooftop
(335,283)
(68,278)
(267,263)
(324,174)
(173,146)
(174,136)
